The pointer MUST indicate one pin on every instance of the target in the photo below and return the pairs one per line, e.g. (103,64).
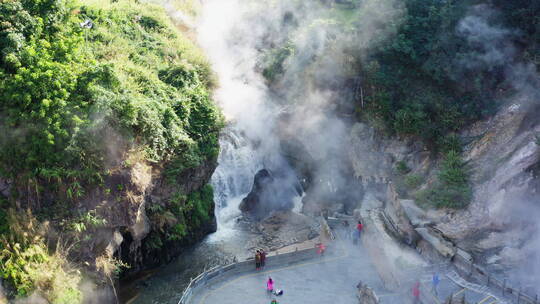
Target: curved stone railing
(220,273)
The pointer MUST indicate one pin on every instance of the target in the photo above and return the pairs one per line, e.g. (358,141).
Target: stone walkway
(331,279)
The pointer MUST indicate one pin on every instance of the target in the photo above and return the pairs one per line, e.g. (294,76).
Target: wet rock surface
(283,229)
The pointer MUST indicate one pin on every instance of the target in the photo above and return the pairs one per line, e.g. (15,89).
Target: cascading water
(238,162)
(232,180)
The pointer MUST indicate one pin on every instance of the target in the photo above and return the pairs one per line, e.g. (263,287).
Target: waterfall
(249,142)
(237,164)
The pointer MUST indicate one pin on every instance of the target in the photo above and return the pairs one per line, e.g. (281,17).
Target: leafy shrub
(413,181)
(416,72)
(88,220)
(275,60)
(451,142)
(183,216)
(27,265)
(402,168)
(452,189)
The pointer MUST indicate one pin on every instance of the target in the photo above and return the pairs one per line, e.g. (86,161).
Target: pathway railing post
(519,294)
(504,286)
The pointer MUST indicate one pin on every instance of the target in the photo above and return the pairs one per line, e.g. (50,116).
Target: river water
(232,180)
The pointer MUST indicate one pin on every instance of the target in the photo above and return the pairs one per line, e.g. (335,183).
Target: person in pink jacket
(270,284)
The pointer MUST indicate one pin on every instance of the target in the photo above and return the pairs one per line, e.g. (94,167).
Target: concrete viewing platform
(307,277)
(329,279)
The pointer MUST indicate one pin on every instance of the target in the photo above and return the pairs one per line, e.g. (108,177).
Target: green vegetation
(183,217)
(523,15)
(66,89)
(275,60)
(86,221)
(402,168)
(452,189)
(413,181)
(4,225)
(27,265)
(413,81)
(76,103)
(191,212)
(418,82)
(415,69)
(406,181)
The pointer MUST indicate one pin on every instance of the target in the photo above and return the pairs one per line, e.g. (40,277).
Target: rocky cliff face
(140,232)
(132,207)
(504,157)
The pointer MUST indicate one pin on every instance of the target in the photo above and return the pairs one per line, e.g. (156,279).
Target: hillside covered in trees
(99,100)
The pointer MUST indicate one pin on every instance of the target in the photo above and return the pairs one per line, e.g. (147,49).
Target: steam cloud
(313,100)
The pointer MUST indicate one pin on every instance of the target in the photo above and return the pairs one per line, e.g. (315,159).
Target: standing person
(321,248)
(416,293)
(355,236)
(263,258)
(346,229)
(359,227)
(257,260)
(435,281)
(270,285)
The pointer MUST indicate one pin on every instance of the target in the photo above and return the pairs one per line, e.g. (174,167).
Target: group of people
(260,259)
(356,232)
(260,262)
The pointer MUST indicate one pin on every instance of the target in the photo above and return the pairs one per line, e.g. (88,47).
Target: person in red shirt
(359,227)
(321,248)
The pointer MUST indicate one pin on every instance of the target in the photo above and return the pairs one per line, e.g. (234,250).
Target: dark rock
(300,159)
(270,192)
